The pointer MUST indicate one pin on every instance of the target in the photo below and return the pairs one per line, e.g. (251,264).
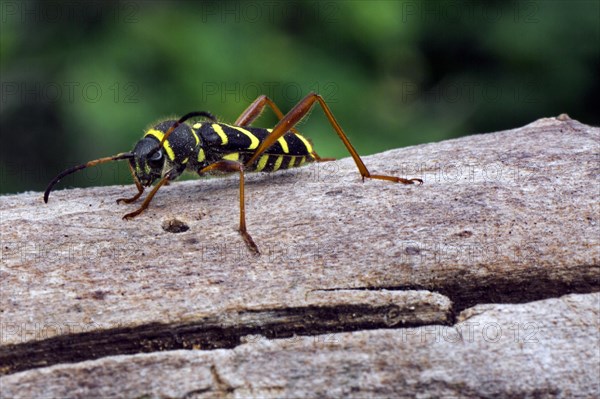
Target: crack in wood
(224,332)
(505,290)
(211,333)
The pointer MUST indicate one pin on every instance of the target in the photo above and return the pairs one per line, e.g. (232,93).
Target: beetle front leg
(149,197)
(137,184)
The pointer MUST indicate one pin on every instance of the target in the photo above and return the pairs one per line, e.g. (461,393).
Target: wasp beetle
(210,147)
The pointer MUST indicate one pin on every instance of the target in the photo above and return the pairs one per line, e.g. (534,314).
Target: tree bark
(481,282)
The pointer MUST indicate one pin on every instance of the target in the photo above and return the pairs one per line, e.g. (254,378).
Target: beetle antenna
(124,155)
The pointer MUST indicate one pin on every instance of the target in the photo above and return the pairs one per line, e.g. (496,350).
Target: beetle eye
(155,159)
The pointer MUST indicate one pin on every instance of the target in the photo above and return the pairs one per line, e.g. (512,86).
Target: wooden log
(507,217)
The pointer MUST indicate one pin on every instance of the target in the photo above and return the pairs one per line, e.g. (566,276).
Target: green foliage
(82,80)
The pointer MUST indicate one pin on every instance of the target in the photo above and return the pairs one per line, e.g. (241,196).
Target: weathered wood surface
(547,348)
(505,217)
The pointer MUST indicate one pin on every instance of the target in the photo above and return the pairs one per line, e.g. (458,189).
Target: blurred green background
(83,79)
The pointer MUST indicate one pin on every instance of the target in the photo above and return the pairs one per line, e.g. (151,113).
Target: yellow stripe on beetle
(278,163)
(254,141)
(283,144)
(201,155)
(196,136)
(159,136)
(262,162)
(234,156)
(309,148)
(219,130)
